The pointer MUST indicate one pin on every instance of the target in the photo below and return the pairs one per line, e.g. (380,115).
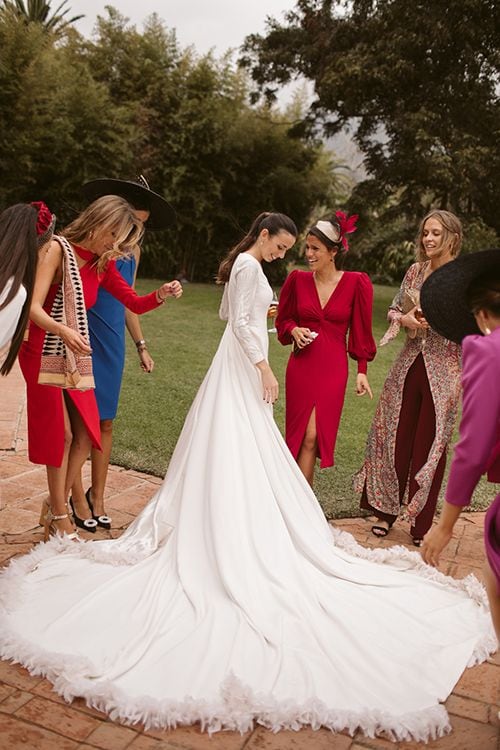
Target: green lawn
(183,337)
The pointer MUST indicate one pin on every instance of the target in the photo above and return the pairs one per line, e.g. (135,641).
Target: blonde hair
(452,233)
(108,213)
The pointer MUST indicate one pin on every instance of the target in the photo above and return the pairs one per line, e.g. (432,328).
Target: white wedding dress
(230,600)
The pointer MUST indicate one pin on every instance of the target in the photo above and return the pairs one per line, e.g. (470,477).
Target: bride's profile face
(275,246)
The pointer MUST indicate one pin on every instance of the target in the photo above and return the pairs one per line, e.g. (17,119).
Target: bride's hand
(270,385)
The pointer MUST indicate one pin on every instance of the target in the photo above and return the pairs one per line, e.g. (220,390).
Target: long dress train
(229,600)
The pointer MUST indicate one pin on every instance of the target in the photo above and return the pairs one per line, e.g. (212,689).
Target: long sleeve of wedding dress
(230,600)
(238,306)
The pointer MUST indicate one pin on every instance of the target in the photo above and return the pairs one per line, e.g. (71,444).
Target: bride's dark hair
(18,261)
(273,222)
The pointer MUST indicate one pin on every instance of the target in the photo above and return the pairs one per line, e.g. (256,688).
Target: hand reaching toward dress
(434,543)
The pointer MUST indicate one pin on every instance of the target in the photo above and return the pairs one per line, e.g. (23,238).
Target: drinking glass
(273,313)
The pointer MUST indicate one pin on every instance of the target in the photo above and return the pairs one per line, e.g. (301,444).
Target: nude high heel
(47,520)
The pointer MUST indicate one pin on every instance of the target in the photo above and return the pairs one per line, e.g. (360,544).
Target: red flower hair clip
(45,217)
(45,222)
(347,225)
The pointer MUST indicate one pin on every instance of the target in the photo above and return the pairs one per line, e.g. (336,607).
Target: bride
(230,600)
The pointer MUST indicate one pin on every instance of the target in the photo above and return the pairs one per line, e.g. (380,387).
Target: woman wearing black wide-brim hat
(138,194)
(107,321)
(462,301)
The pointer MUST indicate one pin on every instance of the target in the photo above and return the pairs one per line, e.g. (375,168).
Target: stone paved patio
(33,717)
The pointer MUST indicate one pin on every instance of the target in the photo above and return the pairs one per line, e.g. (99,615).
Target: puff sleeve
(479,425)
(287,317)
(114,283)
(241,301)
(361,344)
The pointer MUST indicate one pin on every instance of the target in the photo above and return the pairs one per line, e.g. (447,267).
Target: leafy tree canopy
(127,102)
(39,11)
(419,82)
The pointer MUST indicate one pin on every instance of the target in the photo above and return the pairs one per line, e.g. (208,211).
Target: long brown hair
(113,213)
(452,227)
(273,222)
(18,261)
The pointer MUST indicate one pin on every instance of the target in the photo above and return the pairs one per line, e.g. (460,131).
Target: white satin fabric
(229,600)
(10,314)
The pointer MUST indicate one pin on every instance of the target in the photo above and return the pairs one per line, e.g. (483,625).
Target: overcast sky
(220,24)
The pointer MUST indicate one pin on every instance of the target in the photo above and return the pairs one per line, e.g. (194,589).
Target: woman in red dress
(63,423)
(317,310)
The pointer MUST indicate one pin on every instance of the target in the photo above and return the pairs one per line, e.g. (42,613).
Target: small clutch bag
(297,350)
(411,299)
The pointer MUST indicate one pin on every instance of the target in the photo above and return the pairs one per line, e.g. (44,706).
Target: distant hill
(347,152)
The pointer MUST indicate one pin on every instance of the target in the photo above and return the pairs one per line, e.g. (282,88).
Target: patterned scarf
(60,366)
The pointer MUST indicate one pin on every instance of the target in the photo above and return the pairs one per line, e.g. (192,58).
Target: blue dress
(107,339)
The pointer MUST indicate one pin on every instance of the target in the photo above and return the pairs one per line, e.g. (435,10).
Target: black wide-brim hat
(443,294)
(161,213)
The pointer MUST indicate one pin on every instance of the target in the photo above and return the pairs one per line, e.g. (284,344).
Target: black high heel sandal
(380,531)
(103,521)
(88,524)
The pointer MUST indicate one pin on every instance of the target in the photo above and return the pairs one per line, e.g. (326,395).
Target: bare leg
(77,492)
(309,449)
(100,465)
(56,481)
(491,584)
(80,449)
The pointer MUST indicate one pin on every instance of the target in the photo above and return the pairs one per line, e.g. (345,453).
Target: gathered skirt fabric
(230,600)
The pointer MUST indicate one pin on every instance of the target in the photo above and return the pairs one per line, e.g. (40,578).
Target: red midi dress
(45,402)
(316,376)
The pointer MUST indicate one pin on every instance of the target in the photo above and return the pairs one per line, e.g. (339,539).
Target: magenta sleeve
(479,423)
